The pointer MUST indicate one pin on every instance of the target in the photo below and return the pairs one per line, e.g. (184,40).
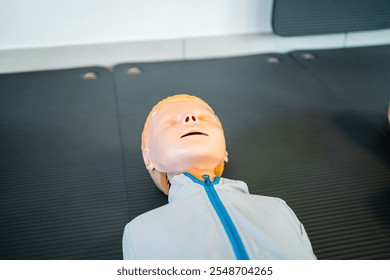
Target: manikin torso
(189,227)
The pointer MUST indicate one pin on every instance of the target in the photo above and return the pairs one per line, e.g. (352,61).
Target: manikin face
(183,136)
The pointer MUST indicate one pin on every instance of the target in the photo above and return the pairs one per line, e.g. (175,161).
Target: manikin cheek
(160,151)
(169,158)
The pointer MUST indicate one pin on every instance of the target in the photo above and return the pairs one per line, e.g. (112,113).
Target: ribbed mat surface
(288,135)
(359,76)
(304,130)
(310,17)
(62,191)
(360,79)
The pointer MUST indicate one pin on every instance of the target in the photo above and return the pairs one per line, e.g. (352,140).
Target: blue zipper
(223,215)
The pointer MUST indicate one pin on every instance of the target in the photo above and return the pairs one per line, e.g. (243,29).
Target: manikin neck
(197,173)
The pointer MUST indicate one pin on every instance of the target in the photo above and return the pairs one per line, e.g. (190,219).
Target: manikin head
(182,133)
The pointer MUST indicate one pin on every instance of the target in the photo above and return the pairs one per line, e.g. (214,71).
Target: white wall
(57,34)
(48,23)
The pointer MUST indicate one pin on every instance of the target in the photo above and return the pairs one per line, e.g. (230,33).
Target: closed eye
(208,117)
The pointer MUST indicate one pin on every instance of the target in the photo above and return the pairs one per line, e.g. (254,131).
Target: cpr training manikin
(207,216)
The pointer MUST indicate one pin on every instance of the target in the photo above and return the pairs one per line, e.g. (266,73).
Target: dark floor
(310,127)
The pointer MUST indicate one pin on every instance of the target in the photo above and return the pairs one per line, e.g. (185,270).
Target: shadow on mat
(379,147)
(376,125)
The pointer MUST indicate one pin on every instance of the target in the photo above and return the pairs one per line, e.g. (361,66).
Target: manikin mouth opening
(194,133)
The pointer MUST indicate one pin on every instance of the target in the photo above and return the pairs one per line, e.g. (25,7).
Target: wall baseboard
(109,54)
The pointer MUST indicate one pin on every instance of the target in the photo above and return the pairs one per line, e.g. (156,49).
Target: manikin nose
(190,119)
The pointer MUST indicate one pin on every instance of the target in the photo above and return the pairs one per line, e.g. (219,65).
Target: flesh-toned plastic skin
(388,113)
(184,136)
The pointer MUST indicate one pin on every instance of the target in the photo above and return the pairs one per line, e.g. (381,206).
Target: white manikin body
(191,226)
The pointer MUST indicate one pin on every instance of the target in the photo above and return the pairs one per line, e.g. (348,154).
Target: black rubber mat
(359,76)
(286,137)
(62,191)
(311,17)
(72,173)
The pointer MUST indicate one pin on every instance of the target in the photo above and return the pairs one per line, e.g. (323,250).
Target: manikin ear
(219,169)
(160,179)
(148,163)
